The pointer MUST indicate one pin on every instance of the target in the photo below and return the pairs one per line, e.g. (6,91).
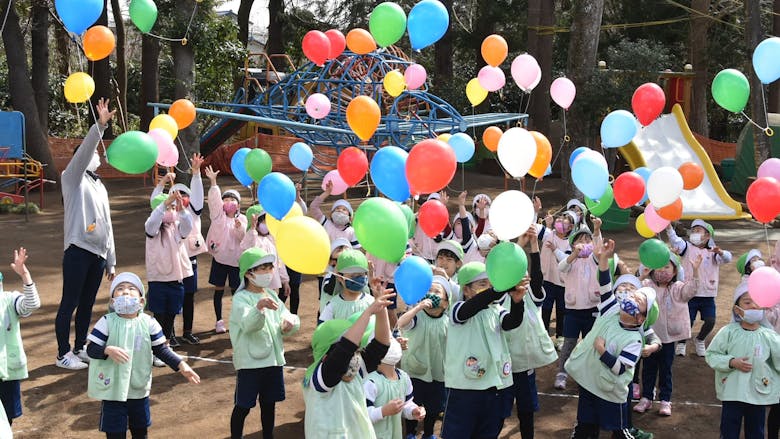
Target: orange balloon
(363,116)
(692,175)
(490,138)
(494,50)
(543,155)
(672,212)
(183,112)
(98,43)
(360,41)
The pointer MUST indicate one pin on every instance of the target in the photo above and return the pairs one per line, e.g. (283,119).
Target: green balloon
(731,90)
(654,254)
(258,164)
(411,221)
(387,24)
(381,228)
(143,14)
(506,265)
(133,152)
(600,206)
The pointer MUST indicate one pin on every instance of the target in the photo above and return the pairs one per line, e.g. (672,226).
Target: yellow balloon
(303,244)
(166,122)
(394,83)
(444,137)
(642,227)
(79,88)
(273,223)
(475,92)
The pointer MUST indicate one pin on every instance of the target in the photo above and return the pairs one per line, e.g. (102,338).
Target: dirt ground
(55,401)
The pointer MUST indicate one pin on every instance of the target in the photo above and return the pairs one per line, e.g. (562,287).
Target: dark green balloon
(133,152)
(600,207)
(258,164)
(654,254)
(381,229)
(506,265)
(411,221)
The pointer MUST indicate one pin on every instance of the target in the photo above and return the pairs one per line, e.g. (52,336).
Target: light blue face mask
(356,283)
(127,305)
(752,315)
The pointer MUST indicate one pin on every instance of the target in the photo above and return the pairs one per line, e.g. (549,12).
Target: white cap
(343,203)
(233,194)
(127,277)
(339,242)
(485,241)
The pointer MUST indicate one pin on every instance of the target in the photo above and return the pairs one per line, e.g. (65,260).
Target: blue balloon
(388,171)
(618,128)
(238,168)
(428,21)
(645,174)
(765,60)
(276,193)
(463,145)
(575,153)
(590,176)
(78,15)
(301,156)
(413,279)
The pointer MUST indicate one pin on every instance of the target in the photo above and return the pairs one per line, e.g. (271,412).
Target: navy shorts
(221,273)
(165,297)
(191,283)
(607,415)
(525,394)
(476,413)
(553,296)
(116,416)
(578,321)
(11,396)
(429,395)
(265,385)
(703,305)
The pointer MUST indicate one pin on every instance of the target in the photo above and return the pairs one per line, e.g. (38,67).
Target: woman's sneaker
(190,338)
(701,349)
(71,362)
(666,408)
(643,405)
(560,381)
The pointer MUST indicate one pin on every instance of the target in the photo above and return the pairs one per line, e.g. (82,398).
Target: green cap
(743,260)
(253,210)
(453,246)
(328,333)
(471,272)
(253,257)
(156,201)
(352,261)
(651,315)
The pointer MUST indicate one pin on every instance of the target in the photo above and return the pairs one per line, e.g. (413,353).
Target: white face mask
(340,218)
(261,280)
(755,265)
(696,238)
(94,163)
(127,305)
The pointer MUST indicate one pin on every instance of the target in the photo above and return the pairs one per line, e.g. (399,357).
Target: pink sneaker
(666,408)
(636,392)
(219,328)
(643,405)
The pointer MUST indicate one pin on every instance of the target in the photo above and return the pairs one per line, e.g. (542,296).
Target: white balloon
(664,186)
(511,214)
(517,151)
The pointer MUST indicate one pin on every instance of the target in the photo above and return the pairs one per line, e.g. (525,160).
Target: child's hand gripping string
(19,267)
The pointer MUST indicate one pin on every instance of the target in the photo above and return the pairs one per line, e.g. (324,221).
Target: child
(257,235)
(338,225)
(480,207)
(337,246)
(425,246)
(350,293)
(167,262)
(121,346)
(389,393)
(333,383)
(478,252)
(555,241)
(773,419)
(227,230)
(463,224)
(701,241)
(258,321)
(746,359)
(673,292)
(579,209)
(749,262)
(13,368)
(477,366)
(426,332)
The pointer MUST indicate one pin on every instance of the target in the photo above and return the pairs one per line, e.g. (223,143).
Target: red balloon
(316,47)
(352,165)
(629,189)
(763,199)
(338,42)
(648,102)
(430,166)
(433,217)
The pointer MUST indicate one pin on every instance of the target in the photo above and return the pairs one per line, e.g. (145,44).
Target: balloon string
(533,191)
(183,40)
(768,130)
(564,140)
(527,104)
(766,236)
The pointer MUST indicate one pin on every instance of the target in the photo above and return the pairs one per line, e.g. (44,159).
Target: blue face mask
(356,283)
(629,306)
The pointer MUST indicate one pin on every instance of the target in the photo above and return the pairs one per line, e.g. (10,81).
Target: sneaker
(636,393)
(219,328)
(640,434)
(559,343)
(679,350)
(560,381)
(82,354)
(190,338)
(701,349)
(174,342)
(643,405)
(666,408)
(71,361)
(158,362)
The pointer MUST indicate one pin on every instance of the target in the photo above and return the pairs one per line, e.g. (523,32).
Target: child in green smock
(351,293)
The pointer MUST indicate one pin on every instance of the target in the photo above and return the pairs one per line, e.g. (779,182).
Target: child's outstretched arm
(168,178)
(678,244)
(215,194)
(721,256)
(29,301)
(407,321)
(314,210)
(535,266)
(196,184)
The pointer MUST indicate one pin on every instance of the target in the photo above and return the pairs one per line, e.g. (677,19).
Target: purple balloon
(770,168)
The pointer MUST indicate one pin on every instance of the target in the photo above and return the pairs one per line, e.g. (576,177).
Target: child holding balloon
(480,208)
(351,294)
(423,245)
(338,224)
(555,241)
(258,236)
(749,262)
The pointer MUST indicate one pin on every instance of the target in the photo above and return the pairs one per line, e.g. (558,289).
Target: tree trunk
(753,36)
(274,44)
(121,63)
(183,72)
(20,89)
(698,46)
(774,89)
(40,61)
(443,54)
(243,21)
(540,45)
(150,76)
(101,74)
(63,51)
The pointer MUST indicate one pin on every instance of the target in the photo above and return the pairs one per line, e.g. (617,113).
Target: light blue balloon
(238,168)
(78,15)
(575,153)
(463,145)
(548,171)
(766,60)
(276,193)
(388,172)
(428,21)
(644,172)
(617,129)
(301,156)
(590,176)
(413,279)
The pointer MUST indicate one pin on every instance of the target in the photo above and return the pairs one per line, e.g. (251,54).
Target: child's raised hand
(425,304)
(188,373)
(607,249)
(596,222)
(419,413)
(170,177)
(266,302)
(117,354)
(549,221)
(444,197)
(550,245)
(462,198)
(237,223)
(518,292)
(438,271)
(381,302)
(18,265)
(377,285)
(393,407)
(179,202)
(197,161)
(255,217)
(328,188)
(577,249)
(211,174)
(537,205)
(696,263)
(741,364)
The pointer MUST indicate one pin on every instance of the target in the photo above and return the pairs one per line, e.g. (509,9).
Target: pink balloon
(415,76)
(654,221)
(526,72)
(562,91)
(491,78)
(317,106)
(762,285)
(339,186)
(770,168)
(168,154)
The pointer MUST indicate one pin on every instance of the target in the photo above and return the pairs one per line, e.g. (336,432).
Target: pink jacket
(581,281)
(773,317)
(267,244)
(224,237)
(424,246)
(166,249)
(548,257)
(473,255)
(674,321)
(334,231)
(709,271)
